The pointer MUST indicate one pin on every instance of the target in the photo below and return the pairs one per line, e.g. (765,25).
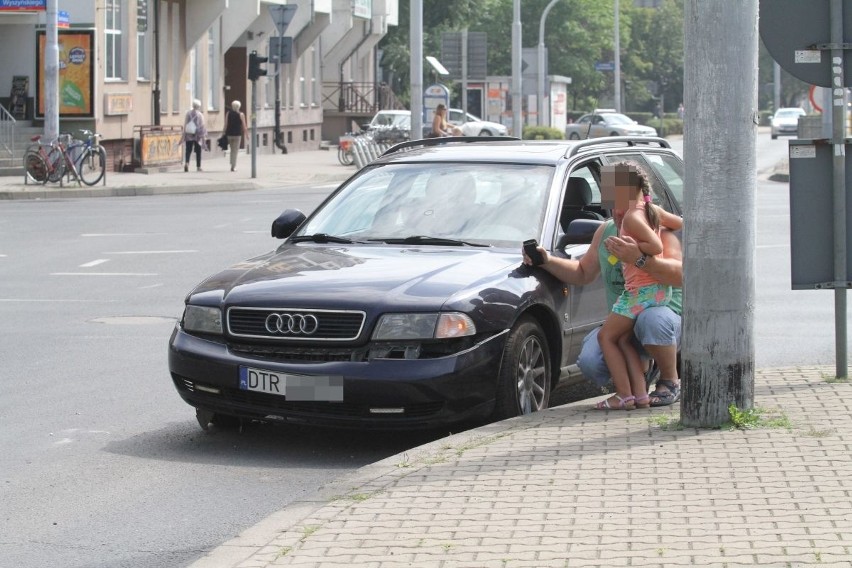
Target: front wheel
(523,385)
(485,133)
(573,136)
(93,165)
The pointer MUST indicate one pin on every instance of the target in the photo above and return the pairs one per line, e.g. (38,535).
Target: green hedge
(542,133)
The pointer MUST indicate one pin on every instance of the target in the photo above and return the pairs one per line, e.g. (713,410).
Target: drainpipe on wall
(156,93)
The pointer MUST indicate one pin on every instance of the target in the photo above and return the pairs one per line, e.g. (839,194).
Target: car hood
(352,276)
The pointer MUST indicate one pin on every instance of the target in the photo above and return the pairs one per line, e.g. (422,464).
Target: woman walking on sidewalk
(194,132)
(236,131)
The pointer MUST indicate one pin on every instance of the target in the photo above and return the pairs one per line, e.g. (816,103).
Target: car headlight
(424,326)
(202,320)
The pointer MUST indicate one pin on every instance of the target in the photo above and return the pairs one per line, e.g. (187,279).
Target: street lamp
(540,97)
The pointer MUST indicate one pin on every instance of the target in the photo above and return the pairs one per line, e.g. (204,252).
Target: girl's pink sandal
(625,403)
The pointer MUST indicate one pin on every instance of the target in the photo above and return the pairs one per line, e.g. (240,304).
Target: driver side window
(582,198)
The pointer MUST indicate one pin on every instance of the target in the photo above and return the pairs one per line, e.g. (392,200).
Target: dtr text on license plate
(293,387)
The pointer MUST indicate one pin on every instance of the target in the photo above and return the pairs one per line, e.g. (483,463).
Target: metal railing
(8,125)
(358,98)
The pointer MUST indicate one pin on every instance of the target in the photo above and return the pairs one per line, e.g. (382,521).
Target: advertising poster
(76,73)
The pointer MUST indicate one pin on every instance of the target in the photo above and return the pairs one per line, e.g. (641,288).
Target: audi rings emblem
(292,324)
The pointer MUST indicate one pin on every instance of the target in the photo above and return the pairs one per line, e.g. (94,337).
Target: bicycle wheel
(345,157)
(55,160)
(92,165)
(35,167)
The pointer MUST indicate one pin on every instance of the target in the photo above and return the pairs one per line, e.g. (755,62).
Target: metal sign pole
(253,129)
(838,140)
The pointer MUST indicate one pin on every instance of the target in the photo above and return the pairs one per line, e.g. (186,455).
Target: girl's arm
(636,226)
(669,220)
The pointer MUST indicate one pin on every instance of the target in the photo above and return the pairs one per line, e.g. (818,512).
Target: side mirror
(580,232)
(286,223)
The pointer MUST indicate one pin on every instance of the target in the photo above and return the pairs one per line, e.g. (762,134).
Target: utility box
(811,212)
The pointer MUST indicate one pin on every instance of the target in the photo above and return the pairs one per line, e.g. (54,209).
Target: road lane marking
(104,274)
(254,232)
(120,234)
(94,263)
(150,251)
(151,286)
(58,300)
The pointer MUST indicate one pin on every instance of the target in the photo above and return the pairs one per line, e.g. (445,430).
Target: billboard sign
(76,73)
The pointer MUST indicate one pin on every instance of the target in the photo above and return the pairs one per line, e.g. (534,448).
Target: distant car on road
(473,125)
(470,125)
(786,121)
(597,124)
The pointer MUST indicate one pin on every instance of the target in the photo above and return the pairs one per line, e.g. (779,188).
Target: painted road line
(58,300)
(94,263)
(151,251)
(104,274)
(120,234)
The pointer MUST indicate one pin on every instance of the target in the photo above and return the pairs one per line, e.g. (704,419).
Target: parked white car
(473,125)
(786,121)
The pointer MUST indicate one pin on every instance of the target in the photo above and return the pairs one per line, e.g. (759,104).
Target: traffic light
(255,69)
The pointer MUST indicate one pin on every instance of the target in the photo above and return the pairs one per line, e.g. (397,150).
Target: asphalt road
(104,466)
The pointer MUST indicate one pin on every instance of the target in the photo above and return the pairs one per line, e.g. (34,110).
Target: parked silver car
(597,124)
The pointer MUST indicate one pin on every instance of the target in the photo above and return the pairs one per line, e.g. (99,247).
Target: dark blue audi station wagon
(401,301)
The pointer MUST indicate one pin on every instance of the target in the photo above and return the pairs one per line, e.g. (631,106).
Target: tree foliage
(578,34)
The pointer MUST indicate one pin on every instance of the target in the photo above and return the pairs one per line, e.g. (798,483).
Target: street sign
(797,36)
(605,66)
(281,49)
(477,55)
(282,15)
(811,229)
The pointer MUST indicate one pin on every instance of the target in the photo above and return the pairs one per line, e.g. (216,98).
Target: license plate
(327,388)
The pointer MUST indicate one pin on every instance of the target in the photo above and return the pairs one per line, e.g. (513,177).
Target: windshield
(493,204)
(792,113)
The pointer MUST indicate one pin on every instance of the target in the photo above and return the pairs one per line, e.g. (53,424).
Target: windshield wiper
(321,238)
(426,240)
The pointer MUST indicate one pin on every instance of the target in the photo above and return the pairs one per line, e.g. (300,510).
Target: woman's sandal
(670,396)
(642,401)
(625,403)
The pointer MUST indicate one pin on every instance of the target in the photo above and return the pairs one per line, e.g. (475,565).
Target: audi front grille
(295,324)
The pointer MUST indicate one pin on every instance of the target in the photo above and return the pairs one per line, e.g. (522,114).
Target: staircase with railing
(8,126)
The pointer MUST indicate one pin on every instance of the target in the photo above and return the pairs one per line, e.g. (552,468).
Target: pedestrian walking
(236,130)
(194,133)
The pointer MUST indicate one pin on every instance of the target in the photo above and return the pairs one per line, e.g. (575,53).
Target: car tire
(775,137)
(573,136)
(485,133)
(523,384)
(614,133)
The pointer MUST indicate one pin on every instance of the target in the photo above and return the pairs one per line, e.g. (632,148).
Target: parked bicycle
(87,158)
(44,162)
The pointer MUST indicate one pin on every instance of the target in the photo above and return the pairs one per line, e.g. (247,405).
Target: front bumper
(429,392)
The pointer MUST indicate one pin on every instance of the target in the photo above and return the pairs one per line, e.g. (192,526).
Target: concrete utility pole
(517,93)
(51,71)
(416,23)
(720,76)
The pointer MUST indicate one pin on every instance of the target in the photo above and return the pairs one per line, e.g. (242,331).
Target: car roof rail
(425,142)
(625,140)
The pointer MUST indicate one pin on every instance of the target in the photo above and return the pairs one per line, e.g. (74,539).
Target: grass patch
(831,379)
(666,422)
(308,530)
(814,433)
(753,418)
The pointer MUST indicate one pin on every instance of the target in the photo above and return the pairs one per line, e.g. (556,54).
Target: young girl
(640,220)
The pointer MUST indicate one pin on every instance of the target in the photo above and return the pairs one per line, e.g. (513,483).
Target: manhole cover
(134,320)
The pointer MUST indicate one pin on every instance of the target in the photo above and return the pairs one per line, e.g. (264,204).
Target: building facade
(117,55)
